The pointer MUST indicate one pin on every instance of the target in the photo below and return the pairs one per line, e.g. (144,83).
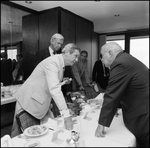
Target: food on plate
(94,101)
(36,130)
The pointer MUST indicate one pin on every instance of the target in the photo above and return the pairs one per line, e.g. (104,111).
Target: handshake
(66,81)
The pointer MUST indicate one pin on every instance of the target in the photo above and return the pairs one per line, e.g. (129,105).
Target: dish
(94,101)
(32,143)
(36,130)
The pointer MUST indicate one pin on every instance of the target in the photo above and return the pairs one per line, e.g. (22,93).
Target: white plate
(36,130)
(94,101)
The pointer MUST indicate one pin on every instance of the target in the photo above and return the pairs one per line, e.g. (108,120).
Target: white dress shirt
(51,51)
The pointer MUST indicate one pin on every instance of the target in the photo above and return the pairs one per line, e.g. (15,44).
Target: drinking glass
(60,123)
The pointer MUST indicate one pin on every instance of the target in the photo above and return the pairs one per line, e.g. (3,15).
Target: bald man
(129,86)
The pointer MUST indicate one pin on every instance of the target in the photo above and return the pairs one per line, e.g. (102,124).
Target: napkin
(100,96)
(6,141)
(51,123)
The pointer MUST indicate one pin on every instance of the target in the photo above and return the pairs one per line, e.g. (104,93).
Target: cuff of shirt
(65,113)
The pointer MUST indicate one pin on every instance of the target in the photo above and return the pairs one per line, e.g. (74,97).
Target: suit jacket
(98,74)
(37,91)
(41,55)
(80,74)
(129,85)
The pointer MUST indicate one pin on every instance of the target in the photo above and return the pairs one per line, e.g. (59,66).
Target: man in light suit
(43,84)
(129,86)
(56,43)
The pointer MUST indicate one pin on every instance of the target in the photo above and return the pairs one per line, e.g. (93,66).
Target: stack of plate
(7,94)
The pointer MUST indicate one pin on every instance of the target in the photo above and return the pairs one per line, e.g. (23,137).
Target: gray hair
(57,36)
(71,47)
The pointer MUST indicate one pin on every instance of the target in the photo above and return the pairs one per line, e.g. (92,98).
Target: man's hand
(89,84)
(67,80)
(68,123)
(100,131)
(81,87)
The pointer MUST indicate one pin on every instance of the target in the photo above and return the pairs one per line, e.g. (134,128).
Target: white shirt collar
(51,51)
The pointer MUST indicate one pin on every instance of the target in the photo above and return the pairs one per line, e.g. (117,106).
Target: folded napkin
(100,96)
(6,141)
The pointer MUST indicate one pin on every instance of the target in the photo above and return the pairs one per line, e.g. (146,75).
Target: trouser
(142,144)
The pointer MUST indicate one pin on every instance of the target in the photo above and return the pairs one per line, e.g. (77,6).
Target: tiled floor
(6,130)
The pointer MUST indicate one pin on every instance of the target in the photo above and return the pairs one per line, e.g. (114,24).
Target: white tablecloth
(117,135)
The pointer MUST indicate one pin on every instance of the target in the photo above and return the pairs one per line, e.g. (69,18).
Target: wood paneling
(48,25)
(95,48)
(30,34)
(84,38)
(58,20)
(68,27)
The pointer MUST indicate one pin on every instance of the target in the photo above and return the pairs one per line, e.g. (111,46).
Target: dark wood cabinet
(84,37)
(48,25)
(37,30)
(68,30)
(30,34)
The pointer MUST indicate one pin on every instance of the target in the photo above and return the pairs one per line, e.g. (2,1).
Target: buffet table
(117,135)
(9,98)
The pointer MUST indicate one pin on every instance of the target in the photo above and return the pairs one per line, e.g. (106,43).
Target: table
(117,134)
(12,89)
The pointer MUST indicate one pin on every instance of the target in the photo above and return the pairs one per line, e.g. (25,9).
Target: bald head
(112,46)
(109,51)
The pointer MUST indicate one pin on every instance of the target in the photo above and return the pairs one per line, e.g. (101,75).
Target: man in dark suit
(56,43)
(100,75)
(129,86)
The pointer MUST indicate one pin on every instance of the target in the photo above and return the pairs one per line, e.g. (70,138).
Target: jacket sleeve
(94,72)
(86,72)
(75,73)
(52,75)
(118,82)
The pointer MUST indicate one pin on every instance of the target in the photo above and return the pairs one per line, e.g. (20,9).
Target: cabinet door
(48,26)
(84,38)
(68,27)
(95,48)
(30,34)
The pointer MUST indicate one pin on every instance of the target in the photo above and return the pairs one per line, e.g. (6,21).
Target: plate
(32,143)
(36,130)
(94,101)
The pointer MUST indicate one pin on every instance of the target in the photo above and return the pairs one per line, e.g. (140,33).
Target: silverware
(51,129)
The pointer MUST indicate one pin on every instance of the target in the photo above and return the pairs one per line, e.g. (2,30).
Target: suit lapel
(61,63)
(46,53)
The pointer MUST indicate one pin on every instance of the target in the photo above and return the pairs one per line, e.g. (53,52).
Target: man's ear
(110,53)
(67,52)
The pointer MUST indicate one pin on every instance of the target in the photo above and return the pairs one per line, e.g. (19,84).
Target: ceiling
(132,14)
